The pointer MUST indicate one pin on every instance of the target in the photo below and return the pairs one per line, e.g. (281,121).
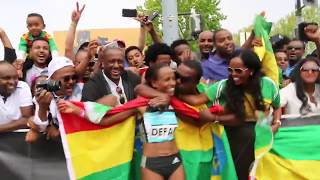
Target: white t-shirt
(33,73)
(292,104)
(10,109)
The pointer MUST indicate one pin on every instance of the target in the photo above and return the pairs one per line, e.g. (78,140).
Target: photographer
(61,84)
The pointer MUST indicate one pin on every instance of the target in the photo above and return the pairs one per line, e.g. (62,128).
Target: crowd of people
(36,83)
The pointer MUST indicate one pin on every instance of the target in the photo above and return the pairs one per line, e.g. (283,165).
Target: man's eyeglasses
(313,69)
(236,70)
(73,77)
(294,48)
(183,79)
(122,100)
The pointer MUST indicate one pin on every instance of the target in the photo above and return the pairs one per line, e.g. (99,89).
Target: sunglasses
(122,100)
(236,70)
(183,79)
(313,69)
(294,48)
(73,77)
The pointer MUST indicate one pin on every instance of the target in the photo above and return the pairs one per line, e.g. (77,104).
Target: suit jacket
(97,86)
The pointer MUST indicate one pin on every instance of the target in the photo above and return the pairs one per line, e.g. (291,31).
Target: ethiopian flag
(262,29)
(263,141)
(101,152)
(295,153)
(204,149)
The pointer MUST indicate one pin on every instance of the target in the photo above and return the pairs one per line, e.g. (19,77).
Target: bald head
(205,43)
(8,78)
(5,66)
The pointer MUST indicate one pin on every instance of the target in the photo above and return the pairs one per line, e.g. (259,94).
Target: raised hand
(93,46)
(76,14)
(312,32)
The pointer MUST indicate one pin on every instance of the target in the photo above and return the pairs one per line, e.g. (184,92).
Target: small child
(35,25)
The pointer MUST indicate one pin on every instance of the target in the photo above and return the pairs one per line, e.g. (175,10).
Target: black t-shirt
(9,55)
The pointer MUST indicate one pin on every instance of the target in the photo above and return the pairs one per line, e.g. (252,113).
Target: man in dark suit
(113,79)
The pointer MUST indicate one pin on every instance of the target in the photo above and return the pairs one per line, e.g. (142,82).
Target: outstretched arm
(195,100)
(26,112)
(225,119)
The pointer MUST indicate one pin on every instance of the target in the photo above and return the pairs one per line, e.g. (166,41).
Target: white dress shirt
(113,86)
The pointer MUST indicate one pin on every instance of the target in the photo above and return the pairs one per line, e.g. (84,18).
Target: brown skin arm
(82,66)
(75,17)
(276,116)
(190,120)
(26,112)
(5,40)
(195,100)
(225,119)
(109,120)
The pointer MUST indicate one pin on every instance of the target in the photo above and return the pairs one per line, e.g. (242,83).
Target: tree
(287,25)
(209,10)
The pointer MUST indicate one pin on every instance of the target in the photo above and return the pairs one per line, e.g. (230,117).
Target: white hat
(57,63)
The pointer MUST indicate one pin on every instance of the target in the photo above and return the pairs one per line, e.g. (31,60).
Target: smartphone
(129,13)
(152,16)
(301,27)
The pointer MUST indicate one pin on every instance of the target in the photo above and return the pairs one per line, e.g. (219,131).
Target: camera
(49,85)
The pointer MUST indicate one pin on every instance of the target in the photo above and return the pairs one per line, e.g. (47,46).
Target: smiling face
(224,43)
(8,79)
(205,42)
(309,72)
(239,72)
(39,52)
(68,78)
(186,82)
(165,81)
(113,63)
(35,25)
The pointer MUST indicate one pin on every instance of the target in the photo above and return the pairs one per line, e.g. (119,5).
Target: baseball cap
(58,63)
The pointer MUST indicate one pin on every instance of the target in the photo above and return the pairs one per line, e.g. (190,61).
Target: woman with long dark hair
(303,95)
(245,92)
(161,159)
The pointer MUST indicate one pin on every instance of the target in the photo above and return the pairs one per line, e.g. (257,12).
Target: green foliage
(287,25)
(209,10)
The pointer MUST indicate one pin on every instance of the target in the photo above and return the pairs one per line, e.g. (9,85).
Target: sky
(107,14)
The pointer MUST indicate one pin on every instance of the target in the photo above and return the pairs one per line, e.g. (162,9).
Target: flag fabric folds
(295,153)
(263,142)
(97,152)
(262,29)
(222,164)
(100,152)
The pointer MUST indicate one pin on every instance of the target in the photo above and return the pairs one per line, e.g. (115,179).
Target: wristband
(277,122)
(216,120)
(41,124)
